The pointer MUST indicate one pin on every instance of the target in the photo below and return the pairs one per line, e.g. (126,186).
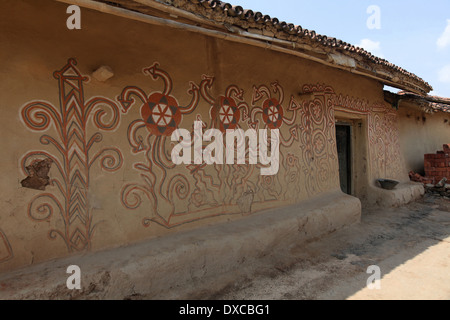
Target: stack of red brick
(418,178)
(437,166)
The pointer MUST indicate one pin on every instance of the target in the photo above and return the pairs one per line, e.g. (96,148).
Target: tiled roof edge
(428,103)
(226,14)
(242,16)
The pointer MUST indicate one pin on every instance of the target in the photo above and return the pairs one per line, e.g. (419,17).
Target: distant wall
(420,134)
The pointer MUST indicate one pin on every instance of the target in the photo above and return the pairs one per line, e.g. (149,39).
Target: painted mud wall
(421,133)
(111,180)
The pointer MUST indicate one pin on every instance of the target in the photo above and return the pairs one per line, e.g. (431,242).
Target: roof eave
(308,45)
(428,104)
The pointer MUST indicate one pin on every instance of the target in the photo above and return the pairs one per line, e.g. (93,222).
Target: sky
(414,35)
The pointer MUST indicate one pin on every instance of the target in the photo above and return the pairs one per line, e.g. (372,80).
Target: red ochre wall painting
(202,191)
(175,195)
(383,135)
(72,155)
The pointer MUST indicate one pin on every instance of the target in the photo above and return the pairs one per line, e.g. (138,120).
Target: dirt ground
(410,244)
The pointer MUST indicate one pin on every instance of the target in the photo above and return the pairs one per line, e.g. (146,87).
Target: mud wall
(421,133)
(111,180)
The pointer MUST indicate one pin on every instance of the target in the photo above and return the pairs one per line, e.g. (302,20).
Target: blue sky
(414,35)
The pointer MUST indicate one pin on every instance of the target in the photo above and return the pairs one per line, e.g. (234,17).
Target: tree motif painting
(72,153)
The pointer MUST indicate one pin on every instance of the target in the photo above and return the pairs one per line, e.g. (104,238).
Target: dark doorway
(343,141)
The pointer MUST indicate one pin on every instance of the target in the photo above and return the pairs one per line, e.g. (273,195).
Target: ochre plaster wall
(112,181)
(421,133)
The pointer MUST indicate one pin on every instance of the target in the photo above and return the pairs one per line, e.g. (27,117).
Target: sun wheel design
(272,113)
(228,114)
(161,114)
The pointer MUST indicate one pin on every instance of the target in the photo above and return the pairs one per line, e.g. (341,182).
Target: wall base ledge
(403,193)
(182,264)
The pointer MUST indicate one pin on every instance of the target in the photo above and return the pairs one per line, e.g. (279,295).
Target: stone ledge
(159,268)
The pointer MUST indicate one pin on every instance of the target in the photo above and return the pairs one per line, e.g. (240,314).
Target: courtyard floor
(410,245)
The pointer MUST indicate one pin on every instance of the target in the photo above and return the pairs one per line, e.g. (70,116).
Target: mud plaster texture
(185,263)
(410,244)
(37,175)
(129,192)
(421,133)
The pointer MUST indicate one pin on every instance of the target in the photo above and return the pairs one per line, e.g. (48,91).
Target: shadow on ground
(410,244)
(335,267)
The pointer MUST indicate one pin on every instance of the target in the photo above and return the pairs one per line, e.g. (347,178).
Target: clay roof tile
(240,14)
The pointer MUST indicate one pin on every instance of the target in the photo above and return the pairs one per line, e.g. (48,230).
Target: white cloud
(374,47)
(435,93)
(444,39)
(444,74)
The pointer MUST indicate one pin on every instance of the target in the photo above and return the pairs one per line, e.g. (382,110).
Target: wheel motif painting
(161,114)
(272,113)
(228,114)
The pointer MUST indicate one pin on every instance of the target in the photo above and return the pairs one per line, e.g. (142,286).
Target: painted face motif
(272,113)
(161,114)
